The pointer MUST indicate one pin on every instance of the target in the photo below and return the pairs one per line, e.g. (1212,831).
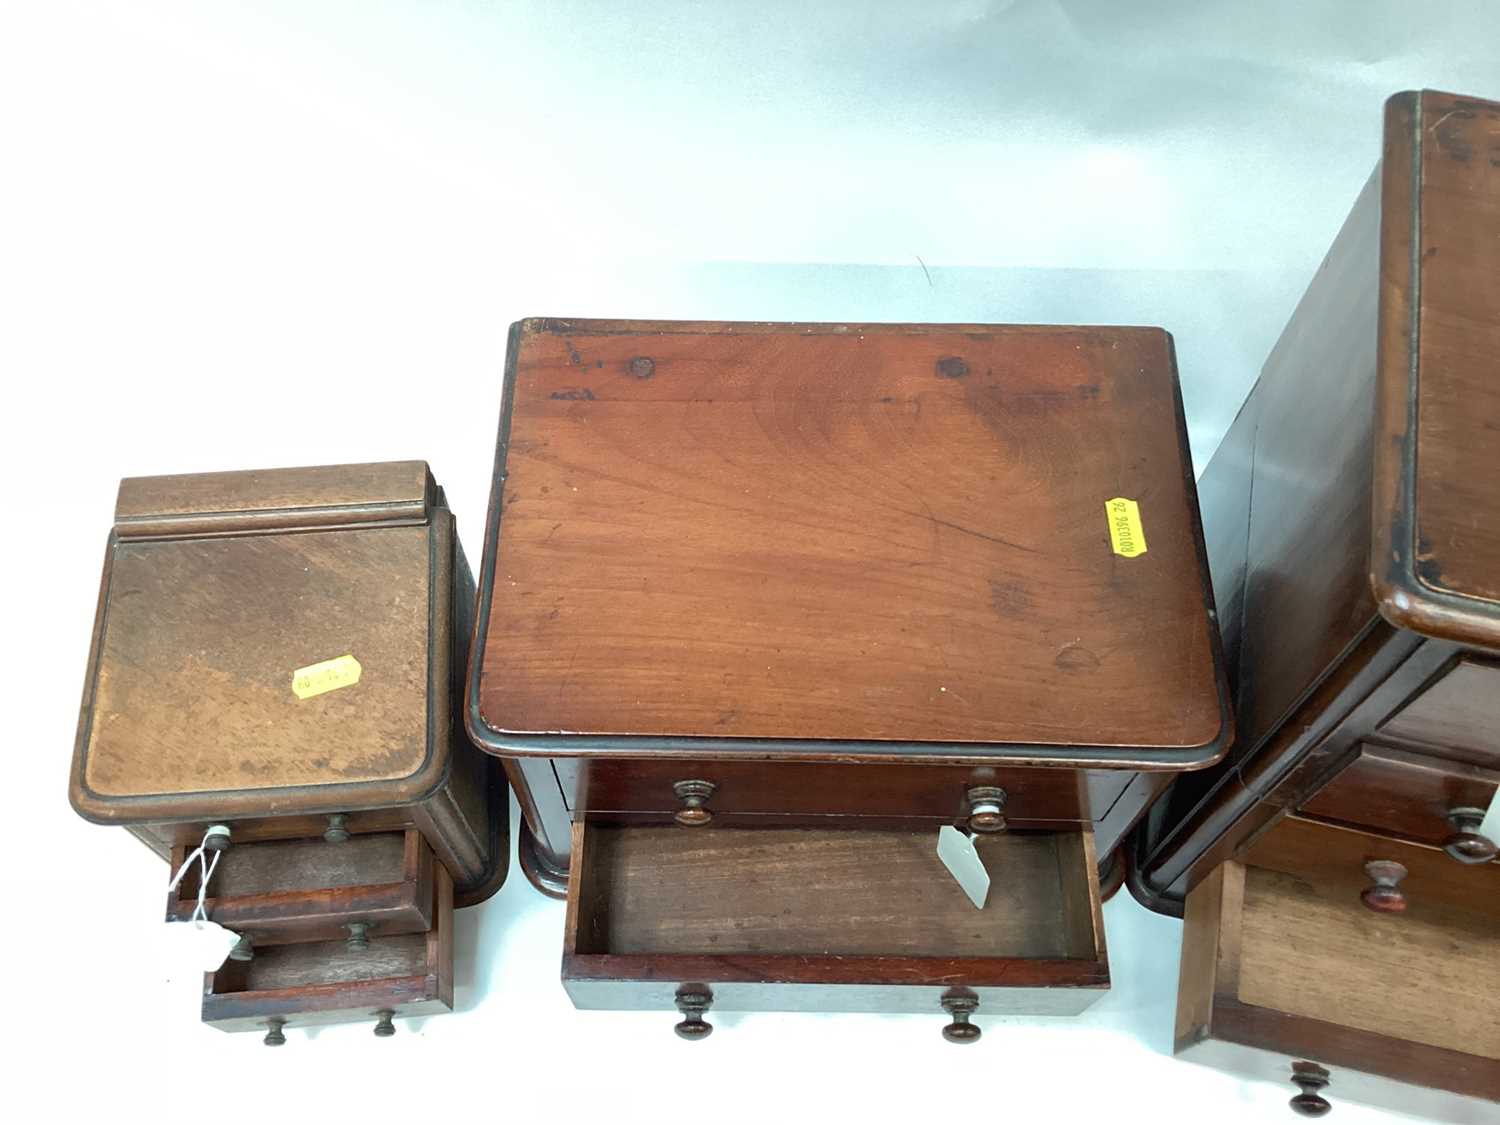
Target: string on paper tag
(205,869)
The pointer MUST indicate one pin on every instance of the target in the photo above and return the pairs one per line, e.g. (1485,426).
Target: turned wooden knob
(336,833)
(1466,844)
(694,796)
(384,1028)
(274,1038)
(986,809)
(359,937)
(692,1001)
(1383,895)
(961,1005)
(244,949)
(1309,1078)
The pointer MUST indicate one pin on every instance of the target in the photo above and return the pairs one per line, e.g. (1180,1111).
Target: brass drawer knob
(384,1028)
(274,1037)
(1466,844)
(336,833)
(694,796)
(1383,895)
(692,1001)
(961,1004)
(1309,1078)
(986,809)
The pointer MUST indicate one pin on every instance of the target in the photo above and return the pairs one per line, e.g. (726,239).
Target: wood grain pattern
(1289,963)
(194,681)
(936,792)
(1457,506)
(1460,711)
(827,893)
(215,591)
(861,532)
(326,982)
(1416,976)
(287,891)
(1401,794)
(1332,859)
(321,496)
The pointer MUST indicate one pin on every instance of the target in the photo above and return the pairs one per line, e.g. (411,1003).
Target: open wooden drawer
(277,892)
(407,974)
(828,919)
(1283,962)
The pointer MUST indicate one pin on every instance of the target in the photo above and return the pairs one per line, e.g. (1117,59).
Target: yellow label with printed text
(1126,535)
(326,676)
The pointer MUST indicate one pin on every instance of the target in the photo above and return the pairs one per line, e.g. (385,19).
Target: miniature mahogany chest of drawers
(277,670)
(1342,894)
(764,606)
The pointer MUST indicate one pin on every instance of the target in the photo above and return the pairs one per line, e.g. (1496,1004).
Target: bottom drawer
(328,982)
(1283,962)
(803,919)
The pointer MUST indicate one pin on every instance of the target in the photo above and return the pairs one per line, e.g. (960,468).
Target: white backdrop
(237,236)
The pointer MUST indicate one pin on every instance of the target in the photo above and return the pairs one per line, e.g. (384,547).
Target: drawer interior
(1280,954)
(829,892)
(328,982)
(325,962)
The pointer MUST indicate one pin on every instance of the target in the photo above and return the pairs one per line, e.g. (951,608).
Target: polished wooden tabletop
(846,532)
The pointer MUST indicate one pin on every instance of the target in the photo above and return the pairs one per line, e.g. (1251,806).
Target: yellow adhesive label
(1126,535)
(325,676)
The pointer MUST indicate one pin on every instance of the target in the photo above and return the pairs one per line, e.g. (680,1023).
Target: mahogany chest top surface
(281,636)
(743,536)
(1437,529)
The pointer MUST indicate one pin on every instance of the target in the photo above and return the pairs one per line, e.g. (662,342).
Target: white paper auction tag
(956,850)
(204,946)
(1490,828)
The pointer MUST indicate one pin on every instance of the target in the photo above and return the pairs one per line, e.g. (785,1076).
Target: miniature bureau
(276,674)
(764,606)
(1342,900)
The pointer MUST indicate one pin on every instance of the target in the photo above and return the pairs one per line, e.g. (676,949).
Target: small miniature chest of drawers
(277,671)
(763,606)
(1340,886)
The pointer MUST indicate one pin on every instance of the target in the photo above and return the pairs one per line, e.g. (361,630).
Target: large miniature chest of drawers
(277,670)
(1342,894)
(764,606)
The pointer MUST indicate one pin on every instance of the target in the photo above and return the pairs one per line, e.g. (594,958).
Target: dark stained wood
(217,588)
(1344,600)
(797,919)
(1362,471)
(1398,793)
(1457,506)
(822,532)
(310,890)
(1287,960)
(326,982)
(804,891)
(1460,712)
(936,792)
(1333,860)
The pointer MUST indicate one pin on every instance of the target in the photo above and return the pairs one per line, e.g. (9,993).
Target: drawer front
(311,983)
(1280,953)
(1459,711)
(286,891)
(1038,797)
(1401,794)
(830,919)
